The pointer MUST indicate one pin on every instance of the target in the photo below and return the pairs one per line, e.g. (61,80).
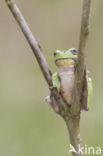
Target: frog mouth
(59,59)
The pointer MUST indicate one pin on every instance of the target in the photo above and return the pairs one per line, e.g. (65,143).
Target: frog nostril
(55,53)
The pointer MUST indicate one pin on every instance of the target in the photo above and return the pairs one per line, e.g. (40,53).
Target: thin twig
(31,40)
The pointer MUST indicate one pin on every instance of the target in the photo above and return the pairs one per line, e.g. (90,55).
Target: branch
(83,37)
(37,52)
(81,57)
(73,123)
(31,40)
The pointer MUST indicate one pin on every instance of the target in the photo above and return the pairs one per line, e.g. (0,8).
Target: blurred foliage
(28,126)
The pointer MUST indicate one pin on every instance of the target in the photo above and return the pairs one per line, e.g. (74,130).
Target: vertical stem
(76,102)
(83,38)
(73,125)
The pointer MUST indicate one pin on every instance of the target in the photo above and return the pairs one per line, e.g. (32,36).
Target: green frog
(64,78)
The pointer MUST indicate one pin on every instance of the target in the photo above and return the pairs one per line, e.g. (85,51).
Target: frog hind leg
(87,92)
(90,93)
(84,98)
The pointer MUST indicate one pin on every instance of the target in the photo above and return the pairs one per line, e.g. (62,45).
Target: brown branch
(83,37)
(81,57)
(31,40)
(37,52)
(73,123)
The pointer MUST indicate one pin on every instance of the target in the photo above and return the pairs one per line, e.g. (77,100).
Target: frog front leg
(55,80)
(50,99)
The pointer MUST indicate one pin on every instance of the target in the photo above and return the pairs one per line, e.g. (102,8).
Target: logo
(90,150)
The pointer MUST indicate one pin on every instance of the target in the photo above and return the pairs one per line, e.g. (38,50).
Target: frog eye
(73,51)
(55,53)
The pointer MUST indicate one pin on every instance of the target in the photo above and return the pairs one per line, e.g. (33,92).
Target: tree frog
(63,80)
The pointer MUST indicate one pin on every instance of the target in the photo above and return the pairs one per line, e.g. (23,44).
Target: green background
(28,126)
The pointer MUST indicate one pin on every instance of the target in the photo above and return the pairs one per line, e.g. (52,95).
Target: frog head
(66,57)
